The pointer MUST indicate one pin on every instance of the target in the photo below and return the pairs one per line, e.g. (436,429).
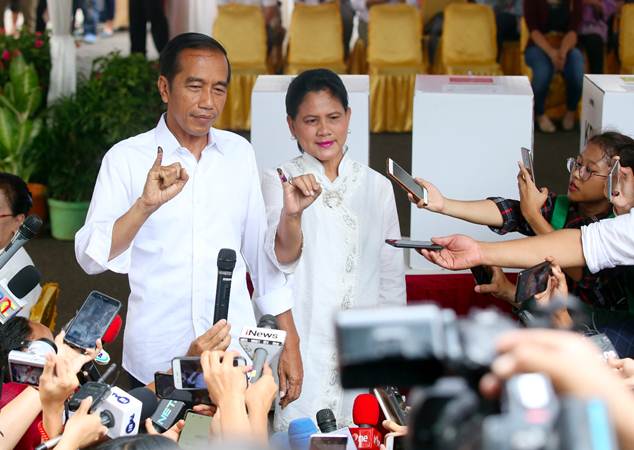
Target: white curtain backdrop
(191,15)
(63,53)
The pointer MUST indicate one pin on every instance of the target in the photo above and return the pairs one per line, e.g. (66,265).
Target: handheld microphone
(365,414)
(13,292)
(262,344)
(29,228)
(226,264)
(299,433)
(167,414)
(128,410)
(326,420)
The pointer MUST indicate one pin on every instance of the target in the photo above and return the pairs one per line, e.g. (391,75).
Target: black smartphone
(98,391)
(532,281)
(92,320)
(408,243)
(406,181)
(391,403)
(482,274)
(196,432)
(164,387)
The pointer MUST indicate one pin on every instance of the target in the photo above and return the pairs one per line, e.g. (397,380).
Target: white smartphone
(188,372)
(613,180)
(328,442)
(405,180)
(527,160)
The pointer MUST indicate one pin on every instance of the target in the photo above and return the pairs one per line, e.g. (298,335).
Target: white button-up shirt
(172,262)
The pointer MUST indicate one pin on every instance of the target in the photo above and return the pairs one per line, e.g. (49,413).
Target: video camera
(444,357)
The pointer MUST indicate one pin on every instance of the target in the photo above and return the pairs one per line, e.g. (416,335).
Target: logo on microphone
(132,425)
(121,399)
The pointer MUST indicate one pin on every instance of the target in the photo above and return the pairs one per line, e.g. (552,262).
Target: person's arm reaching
(17,416)
(481,212)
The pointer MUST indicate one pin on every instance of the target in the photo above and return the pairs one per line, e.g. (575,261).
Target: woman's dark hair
(17,193)
(314,80)
(612,143)
(168,61)
(13,336)
(138,442)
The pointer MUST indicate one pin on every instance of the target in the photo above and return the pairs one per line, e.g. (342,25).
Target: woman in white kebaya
(329,217)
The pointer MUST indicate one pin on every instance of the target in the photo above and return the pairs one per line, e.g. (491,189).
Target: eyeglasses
(584,172)
(5,215)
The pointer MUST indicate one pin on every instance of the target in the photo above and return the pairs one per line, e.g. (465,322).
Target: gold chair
(315,38)
(626,39)
(395,56)
(555,106)
(45,309)
(469,40)
(242,31)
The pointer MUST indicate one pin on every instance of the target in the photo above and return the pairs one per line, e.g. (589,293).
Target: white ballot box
(270,135)
(608,105)
(466,140)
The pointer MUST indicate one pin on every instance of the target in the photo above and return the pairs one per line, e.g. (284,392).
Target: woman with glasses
(15,202)
(539,212)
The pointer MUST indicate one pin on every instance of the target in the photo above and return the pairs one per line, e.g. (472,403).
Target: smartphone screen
(532,281)
(188,373)
(25,373)
(407,243)
(613,180)
(527,160)
(400,175)
(482,274)
(395,442)
(328,442)
(164,386)
(195,434)
(92,320)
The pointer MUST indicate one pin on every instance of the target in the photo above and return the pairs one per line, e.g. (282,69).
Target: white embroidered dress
(345,263)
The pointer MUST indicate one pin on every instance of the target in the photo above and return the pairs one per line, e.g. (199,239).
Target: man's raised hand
(163,183)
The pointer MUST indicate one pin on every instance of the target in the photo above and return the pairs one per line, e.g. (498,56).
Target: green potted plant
(113,104)
(20,101)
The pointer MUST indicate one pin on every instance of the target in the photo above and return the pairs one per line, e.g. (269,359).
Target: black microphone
(226,264)
(167,414)
(29,228)
(326,420)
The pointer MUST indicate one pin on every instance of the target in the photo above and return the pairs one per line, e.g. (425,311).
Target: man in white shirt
(601,245)
(164,225)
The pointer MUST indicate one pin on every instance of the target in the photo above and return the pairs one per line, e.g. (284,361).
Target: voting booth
(270,135)
(608,105)
(467,136)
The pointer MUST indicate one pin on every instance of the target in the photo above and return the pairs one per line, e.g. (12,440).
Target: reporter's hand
(435,200)
(290,371)
(531,198)
(394,428)
(217,337)
(225,382)
(172,433)
(260,395)
(82,429)
(76,357)
(459,252)
(163,183)
(500,287)
(57,382)
(205,410)
(299,193)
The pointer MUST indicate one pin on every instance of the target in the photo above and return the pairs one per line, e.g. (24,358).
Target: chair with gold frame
(242,31)
(469,43)
(45,309)
(315,38)
(395,57)
(626,39)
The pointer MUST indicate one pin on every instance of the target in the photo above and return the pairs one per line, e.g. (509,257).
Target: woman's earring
(349,131)
(293,138)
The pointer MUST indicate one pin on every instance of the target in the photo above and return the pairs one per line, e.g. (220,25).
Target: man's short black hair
(168,61)
(314,80)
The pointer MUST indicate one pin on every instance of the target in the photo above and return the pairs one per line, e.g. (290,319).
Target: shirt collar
(314,165)
(169,143)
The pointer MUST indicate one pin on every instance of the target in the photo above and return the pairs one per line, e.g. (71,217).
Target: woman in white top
(336,213)
(15,202)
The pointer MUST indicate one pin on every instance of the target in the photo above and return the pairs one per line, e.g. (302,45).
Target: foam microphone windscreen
(148,399)
(365,410)
(24,281)
(113,330)
(299,432)
(31,226)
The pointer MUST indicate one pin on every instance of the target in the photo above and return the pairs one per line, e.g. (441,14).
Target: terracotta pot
(38,192)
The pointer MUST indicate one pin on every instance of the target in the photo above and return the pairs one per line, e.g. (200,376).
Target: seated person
(15,202)
(593,34)
(545,56)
